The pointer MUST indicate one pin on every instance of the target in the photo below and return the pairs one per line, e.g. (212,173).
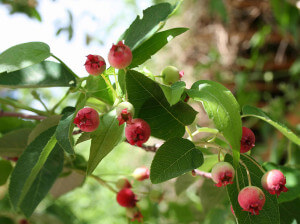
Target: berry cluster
(250,198)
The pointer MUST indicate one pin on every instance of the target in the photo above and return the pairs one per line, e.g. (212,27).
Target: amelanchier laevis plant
(137,105)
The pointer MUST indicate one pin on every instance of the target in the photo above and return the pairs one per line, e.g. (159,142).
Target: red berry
(123,183)
(23,221)
(137,132)
(95,64)
(120,56)
(14,159)
(248,140)
(251,199)
(222,174)
(87,119)
(125,112)
(141,173)
(126,198)
(274,182)
(134,214)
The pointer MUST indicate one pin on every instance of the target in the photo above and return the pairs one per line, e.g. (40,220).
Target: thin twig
(25,116)
(196,172)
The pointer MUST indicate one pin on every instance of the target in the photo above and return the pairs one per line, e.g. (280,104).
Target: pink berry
(95,64)
(87,119)
(251,199)
(248,140)
(137,132)
(141,173)
(274,182)
(125,112)
(222,174)
(120,56)
(123,183)
(126,198)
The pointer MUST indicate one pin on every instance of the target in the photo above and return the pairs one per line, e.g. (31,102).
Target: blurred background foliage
(250,46)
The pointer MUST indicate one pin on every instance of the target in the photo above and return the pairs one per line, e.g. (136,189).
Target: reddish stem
(26,116)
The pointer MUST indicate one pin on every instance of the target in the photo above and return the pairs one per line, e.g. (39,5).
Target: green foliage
(183,182)
(27,54)
(223,109)
(270,211)
(6,168)
(173,93)
(174,158)
(142,29)
(258,113)
(105,139)
(153,45)
(12,123)
(44,74)
(289,212)
(35,172)
(151,105)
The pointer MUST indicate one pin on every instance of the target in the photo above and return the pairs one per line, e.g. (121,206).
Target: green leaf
(209,162)
(62,132)
(270,212)
(6,168)
(98,88)
(142,29)
(289,212)
(44,74)
(35,172)
(173,93)
(174,158)
(223,109)
(43,126)
(9,147)
(153,45)
(151,105)
(85,136)
(183,182)
(292,181)
(105,139)
(249,111)
(11,123)
(23,55)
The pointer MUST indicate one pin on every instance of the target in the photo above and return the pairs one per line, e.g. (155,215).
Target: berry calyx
(141,173)
(248,140)
(171,74)
(134,214)
(137,132)
(87,119)
(125,112)
(95,64)
(126,198)
(251,199)
(123,183)
(120,56)
(274,182)
(222,174)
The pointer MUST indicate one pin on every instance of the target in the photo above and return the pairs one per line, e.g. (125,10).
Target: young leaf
(270,212)
(9,147)
(23,55)
(35,172)
(98,88)
(151,105)
(292,181)
(44,74)
(6,168)
(173,93)
(174,158)
(63,138)
(142,29)
(105,139)
(249,111)
(153,45)
(223,109)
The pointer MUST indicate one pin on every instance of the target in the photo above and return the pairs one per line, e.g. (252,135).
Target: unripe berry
(274,182)
(251,199)
(95,64)
(125,112)
(248,140)
(126,198)
(222,174)
(134,214)
(123,183)
(120,56)
(171,74)
(87,119)
(141,173)
(137,132)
